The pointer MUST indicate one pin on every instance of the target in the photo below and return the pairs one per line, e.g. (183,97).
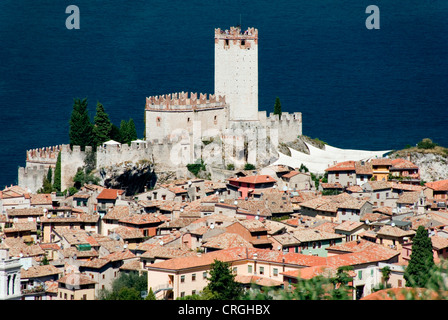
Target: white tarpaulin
(320,159)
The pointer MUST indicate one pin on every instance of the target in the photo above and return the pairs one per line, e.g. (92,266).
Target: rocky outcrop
(432,166)
(129,176)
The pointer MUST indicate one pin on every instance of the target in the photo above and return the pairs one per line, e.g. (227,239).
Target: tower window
(243,42)
(215,120)
(158,120)
(226,42)
(188,119)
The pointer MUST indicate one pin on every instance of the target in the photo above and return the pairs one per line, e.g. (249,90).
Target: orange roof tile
(254,179)
(441,185)
(343,166)
(109,194)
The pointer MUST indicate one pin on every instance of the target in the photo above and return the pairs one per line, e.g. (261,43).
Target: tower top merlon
(235,33)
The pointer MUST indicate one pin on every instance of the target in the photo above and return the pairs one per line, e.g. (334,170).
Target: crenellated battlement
(46,155)
(285,117)
(183,101)
(235,33)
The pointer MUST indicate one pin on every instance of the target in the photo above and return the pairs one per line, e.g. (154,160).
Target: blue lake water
(356,88)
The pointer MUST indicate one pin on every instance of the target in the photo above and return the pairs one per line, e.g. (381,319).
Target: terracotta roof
(381,162)
(342,166)
(120,255)
(308,235)
(128,233)
(394,232)
(39,271)
(290,174)
(441,185)
(226,240)
(254,179)
(335,185)
(25,212)
(75,279)
(118,212)
(257,280)
(405,294)
(400,163)
(372,254)
(380,185)
(407,187)
(408,197)
(141,219)
(349,226)
(109,194)
(41,199)
(96,263)
(236,254)
(363,168)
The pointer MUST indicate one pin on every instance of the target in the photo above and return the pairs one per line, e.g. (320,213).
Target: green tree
(222,284)
(278,107)
(126,287)
(57,174)
(151,295)
(249,166)
(417,272)
(47,186)
(80,130)
(127,131)
(102,126)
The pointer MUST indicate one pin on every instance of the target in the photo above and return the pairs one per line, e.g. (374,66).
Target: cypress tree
(57,174)
(80,130)
(417,272)
(278,107)
(102,126)
(222,284)
(123,131)
(132,132)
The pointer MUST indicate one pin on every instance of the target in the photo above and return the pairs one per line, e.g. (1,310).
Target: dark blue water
(356,88)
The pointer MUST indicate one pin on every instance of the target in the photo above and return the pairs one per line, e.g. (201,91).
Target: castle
(181,128)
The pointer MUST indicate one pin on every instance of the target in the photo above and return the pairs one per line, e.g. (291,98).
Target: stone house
(296,180)
(351,229)
(33,281)
(394,237)
(381,169)
(243,187)
(439,189)
(315,242)
(342,172)
(381,193)
(107,199)
(253,231)
(76,286)
(188,275)
(14,197)
(352,210)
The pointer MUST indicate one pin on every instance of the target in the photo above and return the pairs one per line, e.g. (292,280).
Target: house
(381,169)
(415,201)
(278,203)
(285,242)
(394,237)
(439,248)
(183,276)
(335,208)
(243,187)
(9,275)
(14,197)
(364,172)
(297,180)
(405,171)
(33,281)
(380,193)
(111,218)
(25,215)
(83,201)
(439,189)
(101,271)
(41,200)
(225,240)
(107,199)
(352,209)
(69,218)
(27,231)
(147,223)
(365,257)
(253,231)
(351,229)
(343,173)
(315,242)
(76,286)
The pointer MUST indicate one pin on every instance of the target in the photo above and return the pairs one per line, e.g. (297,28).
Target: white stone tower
(236,71)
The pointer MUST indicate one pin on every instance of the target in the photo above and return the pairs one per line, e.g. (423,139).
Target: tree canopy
(80,127)
(417,272)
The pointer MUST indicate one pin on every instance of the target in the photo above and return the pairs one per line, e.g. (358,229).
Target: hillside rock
(433,166)
(131,177)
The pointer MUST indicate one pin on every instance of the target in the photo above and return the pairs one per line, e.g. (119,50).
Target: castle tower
(236,71)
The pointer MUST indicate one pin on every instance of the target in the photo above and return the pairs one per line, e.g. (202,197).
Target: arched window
(215,120)
(158,121)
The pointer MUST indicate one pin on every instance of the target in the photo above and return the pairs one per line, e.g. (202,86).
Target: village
(271,228)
